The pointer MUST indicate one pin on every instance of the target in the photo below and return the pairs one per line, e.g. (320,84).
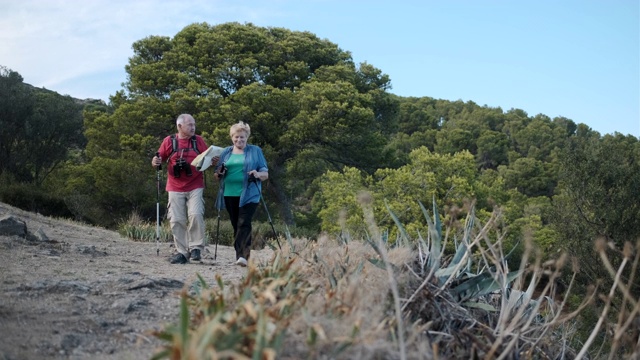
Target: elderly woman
(241,169)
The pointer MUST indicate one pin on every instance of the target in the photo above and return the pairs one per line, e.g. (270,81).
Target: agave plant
(456,276)
(476,278)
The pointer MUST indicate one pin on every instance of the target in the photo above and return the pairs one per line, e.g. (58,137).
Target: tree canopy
(37,129)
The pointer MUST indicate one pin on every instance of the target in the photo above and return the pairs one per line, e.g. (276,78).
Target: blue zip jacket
(253,160)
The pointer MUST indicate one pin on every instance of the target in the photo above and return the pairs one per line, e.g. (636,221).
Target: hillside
(89,293)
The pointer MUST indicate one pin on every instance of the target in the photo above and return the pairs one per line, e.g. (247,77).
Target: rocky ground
(82,292)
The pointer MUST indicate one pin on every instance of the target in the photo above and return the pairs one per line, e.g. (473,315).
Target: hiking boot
(178,259)
(195,254)
(241,261)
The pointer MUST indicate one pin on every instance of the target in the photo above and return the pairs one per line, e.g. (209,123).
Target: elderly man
(185,186)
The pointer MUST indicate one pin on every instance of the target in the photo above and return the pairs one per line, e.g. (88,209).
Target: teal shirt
(253,160)
(234,177)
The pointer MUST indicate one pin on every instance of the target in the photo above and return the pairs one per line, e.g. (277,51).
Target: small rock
(137,304)
(10,225)
(40,236)
(70,342)
(90,250)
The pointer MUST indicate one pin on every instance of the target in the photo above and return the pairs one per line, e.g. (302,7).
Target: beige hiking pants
(186,216)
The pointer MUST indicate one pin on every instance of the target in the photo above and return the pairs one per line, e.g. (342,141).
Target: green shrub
(221,232)
(136,229)
(32,198)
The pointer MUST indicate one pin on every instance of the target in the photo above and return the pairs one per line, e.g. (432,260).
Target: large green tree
(37,128)
(601,179)
(310,107)
(450,179)
(598,196)
(16,106)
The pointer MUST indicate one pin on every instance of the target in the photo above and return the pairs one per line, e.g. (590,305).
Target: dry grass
(338,299)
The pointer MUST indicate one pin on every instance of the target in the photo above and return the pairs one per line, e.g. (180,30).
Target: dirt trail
(88,293)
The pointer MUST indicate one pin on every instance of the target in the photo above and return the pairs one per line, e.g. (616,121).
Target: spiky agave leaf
(516,298)
(382,265)
(373,244)
(480,305)
(481,284)
(435,234)
(462,248)
(403,232)
(444,273)
(423,252)
(289,239)
(436,217)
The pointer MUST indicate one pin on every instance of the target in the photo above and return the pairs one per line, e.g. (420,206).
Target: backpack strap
(174,145)
(194,144)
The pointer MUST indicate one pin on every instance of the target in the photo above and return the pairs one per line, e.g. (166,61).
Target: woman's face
(239,139)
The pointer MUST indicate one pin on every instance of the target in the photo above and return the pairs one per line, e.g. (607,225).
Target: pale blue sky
(574,58)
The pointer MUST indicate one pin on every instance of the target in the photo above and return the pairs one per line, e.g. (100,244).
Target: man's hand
(156,161)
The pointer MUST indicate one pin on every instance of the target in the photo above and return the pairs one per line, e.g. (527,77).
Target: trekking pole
(271,222)
(215,254)
(158,206)
(223,170)
(254,180)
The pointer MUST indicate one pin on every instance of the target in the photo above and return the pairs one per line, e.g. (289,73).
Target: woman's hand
(221,171)
(260,175)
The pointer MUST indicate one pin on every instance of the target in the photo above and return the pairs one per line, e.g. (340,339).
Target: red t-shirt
(183,183)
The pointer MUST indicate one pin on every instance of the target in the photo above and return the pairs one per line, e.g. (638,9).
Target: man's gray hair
(180,120)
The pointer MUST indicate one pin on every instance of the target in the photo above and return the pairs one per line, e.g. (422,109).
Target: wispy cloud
(57,41)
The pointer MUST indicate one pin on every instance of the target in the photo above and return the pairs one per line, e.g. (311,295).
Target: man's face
(187,128)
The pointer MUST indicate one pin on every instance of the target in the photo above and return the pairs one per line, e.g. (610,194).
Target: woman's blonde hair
(240,126)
